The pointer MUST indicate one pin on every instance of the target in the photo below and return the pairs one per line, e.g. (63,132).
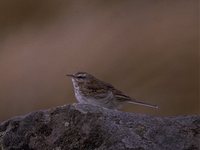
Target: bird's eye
(80,77)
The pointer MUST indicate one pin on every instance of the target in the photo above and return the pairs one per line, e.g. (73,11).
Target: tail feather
(120,96)
(143,104)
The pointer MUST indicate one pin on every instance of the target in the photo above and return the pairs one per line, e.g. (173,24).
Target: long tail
(133,101)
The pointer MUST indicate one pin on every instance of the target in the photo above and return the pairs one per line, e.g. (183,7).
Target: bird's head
(81,77)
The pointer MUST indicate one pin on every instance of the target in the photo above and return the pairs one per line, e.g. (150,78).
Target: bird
(90,90)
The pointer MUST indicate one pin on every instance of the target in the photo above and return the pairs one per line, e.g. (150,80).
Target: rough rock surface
(86,127)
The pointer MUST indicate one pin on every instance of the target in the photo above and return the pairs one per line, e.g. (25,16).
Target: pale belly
(106,101)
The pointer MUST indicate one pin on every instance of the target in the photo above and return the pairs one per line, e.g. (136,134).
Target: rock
(86,127)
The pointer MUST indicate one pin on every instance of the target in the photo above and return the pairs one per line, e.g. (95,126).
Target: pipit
(90,90)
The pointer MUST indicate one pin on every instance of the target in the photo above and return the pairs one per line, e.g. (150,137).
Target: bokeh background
(146,48)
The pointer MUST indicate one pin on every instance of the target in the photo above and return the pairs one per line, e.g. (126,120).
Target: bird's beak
(70,75)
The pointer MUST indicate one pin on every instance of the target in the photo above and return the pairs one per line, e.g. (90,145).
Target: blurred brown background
(146,48)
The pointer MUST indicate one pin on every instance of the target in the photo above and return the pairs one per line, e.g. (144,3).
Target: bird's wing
(120,96)
(106,87)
